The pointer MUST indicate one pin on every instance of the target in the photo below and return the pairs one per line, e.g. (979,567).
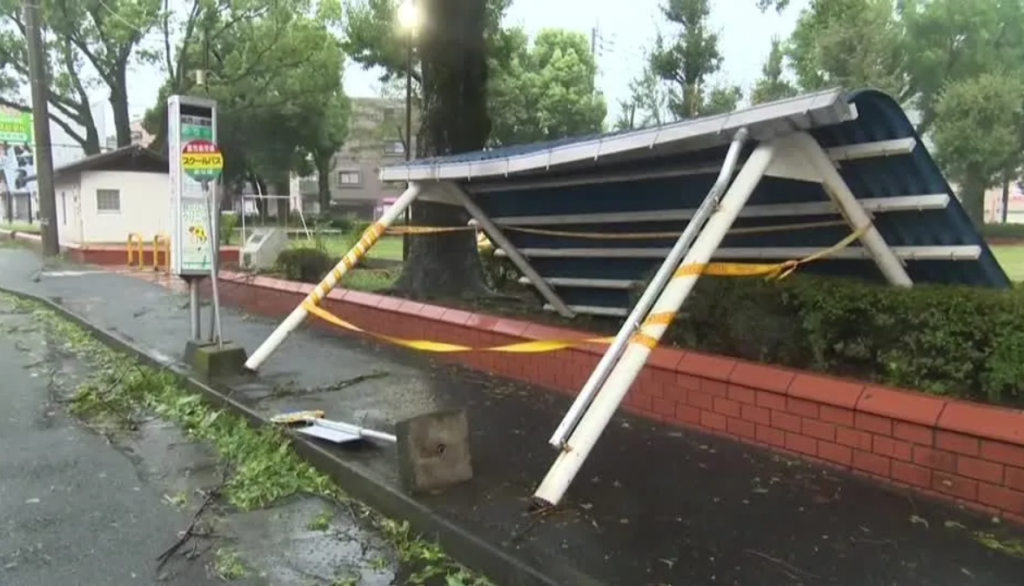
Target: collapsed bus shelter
(827,176)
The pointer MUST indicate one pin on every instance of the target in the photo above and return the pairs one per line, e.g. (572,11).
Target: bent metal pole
(614,389)
(650,294)
(296,317)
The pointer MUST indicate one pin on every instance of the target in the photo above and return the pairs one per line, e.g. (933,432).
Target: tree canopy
(88,43)
(275,70)
(545,91)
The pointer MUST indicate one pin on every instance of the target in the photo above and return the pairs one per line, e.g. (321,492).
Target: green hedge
(1003,231)
(308,265)
(953,341)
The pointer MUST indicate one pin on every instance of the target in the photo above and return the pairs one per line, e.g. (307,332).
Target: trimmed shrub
(1007,231)
(945,340)
(308,265)
(228,224)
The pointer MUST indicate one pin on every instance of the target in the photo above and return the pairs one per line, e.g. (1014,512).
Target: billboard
(17,152)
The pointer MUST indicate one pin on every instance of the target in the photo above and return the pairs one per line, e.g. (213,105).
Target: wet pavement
(653,505)
(80,507)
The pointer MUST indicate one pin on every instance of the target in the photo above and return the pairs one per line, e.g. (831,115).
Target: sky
(623,27)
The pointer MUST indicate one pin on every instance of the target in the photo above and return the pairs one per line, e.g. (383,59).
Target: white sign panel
(192,246)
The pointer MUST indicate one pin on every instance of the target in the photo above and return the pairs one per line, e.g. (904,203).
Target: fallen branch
(189,531)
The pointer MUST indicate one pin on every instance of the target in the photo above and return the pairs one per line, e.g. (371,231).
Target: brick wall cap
(984,421)
(901,405)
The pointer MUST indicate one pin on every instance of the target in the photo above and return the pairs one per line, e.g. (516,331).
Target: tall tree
(546,91)
(87,43)
(647,104)
(688,60)
(772,84)
(952,40)
(458,41)
(326,130)
(850,43)
(452,50)
(978,131)
(273,69)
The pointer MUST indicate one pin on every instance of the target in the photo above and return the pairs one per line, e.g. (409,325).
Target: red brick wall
(118,255)
(970,453)
(108,255)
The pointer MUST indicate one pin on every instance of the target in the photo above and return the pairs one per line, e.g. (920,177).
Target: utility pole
(593,40)
(41,129)
(406,242)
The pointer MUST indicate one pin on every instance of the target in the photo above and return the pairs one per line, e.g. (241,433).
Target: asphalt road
(73,510)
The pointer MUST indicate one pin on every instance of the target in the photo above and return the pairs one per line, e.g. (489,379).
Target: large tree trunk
(454,120)
(972,198)
(119,104)
(323,180)
(1006,198)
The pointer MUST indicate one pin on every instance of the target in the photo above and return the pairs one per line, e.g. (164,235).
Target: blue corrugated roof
(879,118)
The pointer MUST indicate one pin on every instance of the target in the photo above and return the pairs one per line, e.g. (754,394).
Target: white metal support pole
(499,240)
(614,389)
(837,189)
(321,290)
(650,294)
(213,237)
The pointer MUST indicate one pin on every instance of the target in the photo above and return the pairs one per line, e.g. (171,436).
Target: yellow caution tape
(428,229)
(611,235)
(669,234)
(772,270)
(442,347)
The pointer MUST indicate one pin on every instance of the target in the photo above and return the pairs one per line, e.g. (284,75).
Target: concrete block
(212,361)
(190,350)
(433,451)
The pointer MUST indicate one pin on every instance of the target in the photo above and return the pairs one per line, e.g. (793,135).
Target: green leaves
(945,340)
(687,62)
(544,91)
(978,133)
(772,85)
(849,43)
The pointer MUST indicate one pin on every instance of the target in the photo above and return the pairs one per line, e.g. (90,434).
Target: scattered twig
(189,531)
(282,391)
(535,518)
(790,570)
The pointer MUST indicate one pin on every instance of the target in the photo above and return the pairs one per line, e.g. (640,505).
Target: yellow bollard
(135,244)
(162,243)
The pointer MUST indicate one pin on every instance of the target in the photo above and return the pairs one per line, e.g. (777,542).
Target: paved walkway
(73,511)
(654,504)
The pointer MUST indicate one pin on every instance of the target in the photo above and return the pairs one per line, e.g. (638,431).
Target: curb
(463,546)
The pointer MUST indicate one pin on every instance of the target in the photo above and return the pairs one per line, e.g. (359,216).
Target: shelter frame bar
(510,251)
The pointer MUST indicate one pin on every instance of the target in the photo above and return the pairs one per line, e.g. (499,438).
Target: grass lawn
(1011,256)
(34,229)
(387,248)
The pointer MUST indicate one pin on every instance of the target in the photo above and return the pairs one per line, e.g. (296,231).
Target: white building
(105,197)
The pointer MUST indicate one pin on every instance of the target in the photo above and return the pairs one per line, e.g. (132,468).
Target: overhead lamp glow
(408,15)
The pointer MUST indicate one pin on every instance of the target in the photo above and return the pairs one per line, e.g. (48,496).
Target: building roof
(651,180)
(130,158)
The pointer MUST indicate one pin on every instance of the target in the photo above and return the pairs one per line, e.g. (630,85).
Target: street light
(408,16)
(409,21)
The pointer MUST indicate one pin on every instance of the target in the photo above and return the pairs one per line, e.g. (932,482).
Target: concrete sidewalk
(654,504)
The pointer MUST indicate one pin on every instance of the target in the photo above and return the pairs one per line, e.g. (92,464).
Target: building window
(348,178)
(108,201)
(394,147)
